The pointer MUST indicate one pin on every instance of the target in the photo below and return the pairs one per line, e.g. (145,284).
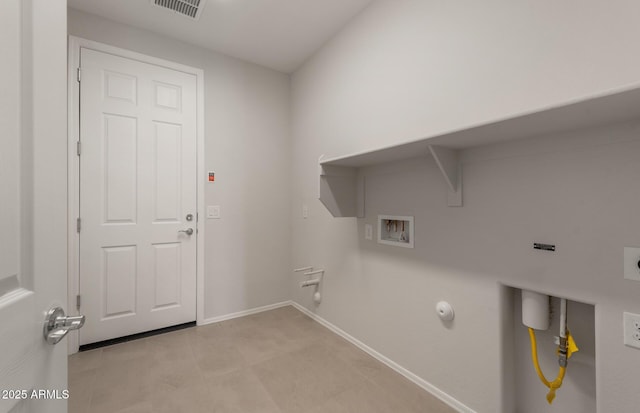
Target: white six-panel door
(137,191)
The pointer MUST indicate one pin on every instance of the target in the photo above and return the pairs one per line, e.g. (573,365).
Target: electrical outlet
(368,231)
(632,263)
(631,329)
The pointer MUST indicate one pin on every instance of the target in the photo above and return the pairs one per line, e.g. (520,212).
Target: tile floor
(278,361)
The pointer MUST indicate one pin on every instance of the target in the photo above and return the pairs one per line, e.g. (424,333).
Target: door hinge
(78,148)
(78,301)
(79,75)
(78,224)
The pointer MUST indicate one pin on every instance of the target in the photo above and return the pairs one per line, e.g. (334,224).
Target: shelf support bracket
(341,190)
(448,162)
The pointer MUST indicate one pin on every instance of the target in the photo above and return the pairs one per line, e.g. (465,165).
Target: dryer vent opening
(187,8)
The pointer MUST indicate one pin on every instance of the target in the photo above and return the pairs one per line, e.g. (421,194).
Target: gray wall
(408,69)
(247,144)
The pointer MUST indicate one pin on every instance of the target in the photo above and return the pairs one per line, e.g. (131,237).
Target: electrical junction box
(395,230)
(632,263)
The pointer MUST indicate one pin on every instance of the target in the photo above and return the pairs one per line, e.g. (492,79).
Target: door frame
(73,101)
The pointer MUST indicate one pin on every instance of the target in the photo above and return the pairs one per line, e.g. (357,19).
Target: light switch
(368,231)
(213,212)
(305,211)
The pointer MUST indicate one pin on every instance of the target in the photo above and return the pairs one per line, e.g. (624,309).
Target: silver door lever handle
(57,325)
(188,231)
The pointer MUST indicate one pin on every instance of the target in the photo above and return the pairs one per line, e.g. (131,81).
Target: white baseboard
(446,398)
(243,313)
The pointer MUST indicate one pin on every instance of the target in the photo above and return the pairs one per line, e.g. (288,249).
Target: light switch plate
(305,211)
(368,231)
(213,212)
(631,259)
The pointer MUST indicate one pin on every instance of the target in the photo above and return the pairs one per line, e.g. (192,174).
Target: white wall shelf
(342,187)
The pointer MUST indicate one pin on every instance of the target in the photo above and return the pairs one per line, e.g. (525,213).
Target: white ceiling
(280,34)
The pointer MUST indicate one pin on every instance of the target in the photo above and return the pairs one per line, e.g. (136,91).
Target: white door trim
(75,43)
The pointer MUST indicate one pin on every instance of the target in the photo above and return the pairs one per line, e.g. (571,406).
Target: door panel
(167,275)
(10,142)
(119,280)
(120,143)
(120,86)
(137,185)
(168,145)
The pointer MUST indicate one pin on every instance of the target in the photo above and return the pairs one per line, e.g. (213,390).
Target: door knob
(188,231)
(57,325)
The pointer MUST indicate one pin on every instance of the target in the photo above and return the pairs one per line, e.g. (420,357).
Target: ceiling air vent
(187,8)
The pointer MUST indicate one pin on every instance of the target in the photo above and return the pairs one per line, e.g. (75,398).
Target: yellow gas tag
(571,345)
